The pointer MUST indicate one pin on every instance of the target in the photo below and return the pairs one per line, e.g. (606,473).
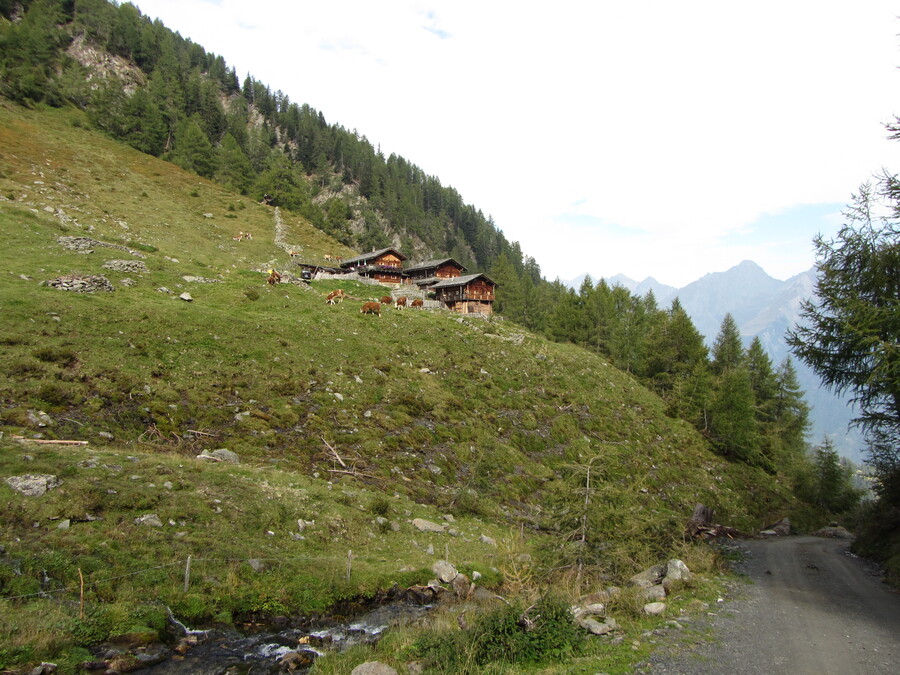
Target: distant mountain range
(765,307)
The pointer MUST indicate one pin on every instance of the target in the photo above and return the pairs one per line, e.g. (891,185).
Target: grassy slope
(435,414)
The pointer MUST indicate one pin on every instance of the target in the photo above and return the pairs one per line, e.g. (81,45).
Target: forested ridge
(172,99)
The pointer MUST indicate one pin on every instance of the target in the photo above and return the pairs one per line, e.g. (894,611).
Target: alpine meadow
(195,446)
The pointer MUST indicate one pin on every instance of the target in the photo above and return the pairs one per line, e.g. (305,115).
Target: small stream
(263,652)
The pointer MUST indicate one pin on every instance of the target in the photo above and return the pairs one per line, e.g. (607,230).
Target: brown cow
(273,278)
(371,308)
(417,303)
(386,299)
(401,302)
(335,296)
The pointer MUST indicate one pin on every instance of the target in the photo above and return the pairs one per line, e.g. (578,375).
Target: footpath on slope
(811,607)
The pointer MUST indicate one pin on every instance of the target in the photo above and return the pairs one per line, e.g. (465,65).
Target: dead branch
(334,452)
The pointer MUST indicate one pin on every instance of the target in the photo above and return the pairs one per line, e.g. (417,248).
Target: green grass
(427,414)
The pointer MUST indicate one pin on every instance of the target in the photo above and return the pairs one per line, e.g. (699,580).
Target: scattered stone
(654,608)
(186,297)
(373,668)
(80,283)
(64,524)
(490,541)
(149,519)
(127,282)
(163,289)
(33,485)
(85,244)
(426,525)
(444,571)
(654,593)
(126,266)
(256,565)
(461,585)
(105,434)
(44,669)
(200,280)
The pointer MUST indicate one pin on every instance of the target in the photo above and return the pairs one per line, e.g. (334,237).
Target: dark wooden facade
(472,294)
(385,265)
(430,272)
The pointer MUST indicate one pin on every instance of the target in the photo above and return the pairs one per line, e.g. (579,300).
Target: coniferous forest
(174,100)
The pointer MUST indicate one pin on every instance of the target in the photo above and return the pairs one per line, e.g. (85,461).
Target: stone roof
(462,281)
(371,255)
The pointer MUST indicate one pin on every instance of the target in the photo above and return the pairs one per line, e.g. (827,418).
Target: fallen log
(43,441)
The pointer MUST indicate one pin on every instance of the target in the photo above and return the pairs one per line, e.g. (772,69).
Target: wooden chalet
(432,271)
(472,294)
(385,265)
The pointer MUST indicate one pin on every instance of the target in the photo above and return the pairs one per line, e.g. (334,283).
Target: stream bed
(268,651)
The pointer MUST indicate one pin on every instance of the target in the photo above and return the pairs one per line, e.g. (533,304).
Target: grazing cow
(239,237)
(371,308)
(417,303)
(386,300)
(328,258)
(401,302)
(294,254)
(273,278)
(335,296)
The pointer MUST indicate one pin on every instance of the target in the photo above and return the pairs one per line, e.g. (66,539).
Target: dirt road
(812,608)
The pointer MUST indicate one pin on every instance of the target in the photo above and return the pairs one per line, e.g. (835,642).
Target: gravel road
(812,607)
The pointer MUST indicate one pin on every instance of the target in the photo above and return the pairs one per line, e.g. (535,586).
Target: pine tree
(727,351)
(234,169)
(193,151)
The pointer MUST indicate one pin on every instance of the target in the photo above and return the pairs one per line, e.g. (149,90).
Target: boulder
(373,668)
(38,418)
(187,297)
(834,532)
(461,585)
(676,572)
(33,485)
(220,455)
(427,525)
(490,541)
(649,577)
(444,571)
(780,529)
(654,608)
(654,593)
(596,627)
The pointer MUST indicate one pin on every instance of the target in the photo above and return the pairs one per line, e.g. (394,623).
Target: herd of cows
(374,307)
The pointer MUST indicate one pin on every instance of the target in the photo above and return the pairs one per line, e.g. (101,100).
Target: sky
(647,138)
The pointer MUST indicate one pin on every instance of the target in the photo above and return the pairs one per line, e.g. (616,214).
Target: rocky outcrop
(126,266)
(33,485)
(87,245)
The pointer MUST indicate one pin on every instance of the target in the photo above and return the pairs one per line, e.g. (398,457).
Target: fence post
(81,579)
(349,564)
(187,574)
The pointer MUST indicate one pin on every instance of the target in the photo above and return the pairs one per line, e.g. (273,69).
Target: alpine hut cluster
(443,279)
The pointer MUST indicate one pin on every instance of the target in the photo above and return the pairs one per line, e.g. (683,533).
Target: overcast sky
(649,138)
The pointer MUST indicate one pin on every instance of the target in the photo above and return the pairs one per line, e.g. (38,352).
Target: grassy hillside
(337,418)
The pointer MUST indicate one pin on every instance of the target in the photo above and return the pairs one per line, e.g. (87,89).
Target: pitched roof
(429,264)
(371,255)
(462,281)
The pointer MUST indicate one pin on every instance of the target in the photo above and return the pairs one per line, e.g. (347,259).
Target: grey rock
(596,627)
(105,434)
(38,418)
(781,529)
(186,297)
(444,571)
(64,524)
(461,585)
(221,455)
(490,541)
(33,485)
(654,593)
(654,608)
(649,577)
(373,668)
(834,532)
(427,525)
(149,519)
(256,565)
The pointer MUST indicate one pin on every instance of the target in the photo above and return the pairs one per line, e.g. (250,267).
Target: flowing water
(261,653)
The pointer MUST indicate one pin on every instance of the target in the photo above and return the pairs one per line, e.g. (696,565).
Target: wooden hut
(430,272)
(472,294)
(384,265)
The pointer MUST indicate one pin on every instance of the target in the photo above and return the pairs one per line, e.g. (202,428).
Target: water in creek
(262,653)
